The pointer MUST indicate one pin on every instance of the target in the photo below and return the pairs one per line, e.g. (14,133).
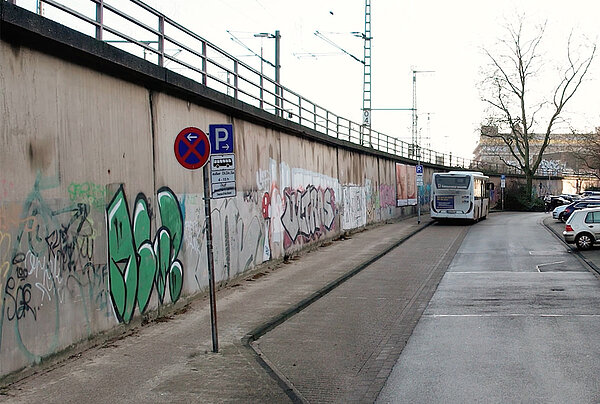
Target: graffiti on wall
(425,194)
(137,264)
(308,213)
(92,194)
(354,207)
(238,238)
(48,263)
(406,185)
(387,196)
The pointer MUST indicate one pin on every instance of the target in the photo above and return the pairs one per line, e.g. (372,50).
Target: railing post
(235,79)
(99,19)
(315,116)
(161,40)
(262,103)
(327,122)
(337,126)
(204,73)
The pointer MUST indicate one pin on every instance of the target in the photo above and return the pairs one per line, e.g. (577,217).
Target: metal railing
(171,45)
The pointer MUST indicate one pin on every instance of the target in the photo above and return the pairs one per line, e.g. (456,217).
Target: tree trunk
(529,187)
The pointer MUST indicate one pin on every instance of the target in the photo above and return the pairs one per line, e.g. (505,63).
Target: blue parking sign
(419,169)
(221,138)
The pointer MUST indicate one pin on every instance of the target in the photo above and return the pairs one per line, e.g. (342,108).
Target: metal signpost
(211,263)
(192,150)
(419,170)
(502,186)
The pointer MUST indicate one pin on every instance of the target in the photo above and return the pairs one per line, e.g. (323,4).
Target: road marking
(511,315)
(521,272)
(550,263)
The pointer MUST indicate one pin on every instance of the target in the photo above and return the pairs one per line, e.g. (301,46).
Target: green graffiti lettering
(175,280)
(162,249)
(123,268)
(136,264)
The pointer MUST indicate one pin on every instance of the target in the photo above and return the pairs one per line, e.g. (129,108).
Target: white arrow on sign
(191,136)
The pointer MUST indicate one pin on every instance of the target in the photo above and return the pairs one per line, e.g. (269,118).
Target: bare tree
(510,89)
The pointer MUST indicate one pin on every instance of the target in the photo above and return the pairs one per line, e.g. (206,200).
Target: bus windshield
(452,182)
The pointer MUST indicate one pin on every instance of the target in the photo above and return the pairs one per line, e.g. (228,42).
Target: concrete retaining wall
(100,225)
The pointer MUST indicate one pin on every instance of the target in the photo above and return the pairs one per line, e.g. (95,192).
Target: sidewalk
(171,360)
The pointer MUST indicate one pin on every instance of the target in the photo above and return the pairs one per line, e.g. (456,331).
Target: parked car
(557,213)
(552,201)
(570,197)
(583,228)
(585,194)
(578,205)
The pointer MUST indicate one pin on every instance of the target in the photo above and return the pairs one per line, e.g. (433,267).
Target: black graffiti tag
(18,303)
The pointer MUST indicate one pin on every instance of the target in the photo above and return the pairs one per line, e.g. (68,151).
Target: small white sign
(222,176)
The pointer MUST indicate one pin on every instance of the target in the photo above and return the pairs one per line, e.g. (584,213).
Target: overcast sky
(440,35)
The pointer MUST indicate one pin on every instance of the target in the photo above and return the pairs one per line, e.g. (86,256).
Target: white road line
(513,272)
(511,315)
(550,263)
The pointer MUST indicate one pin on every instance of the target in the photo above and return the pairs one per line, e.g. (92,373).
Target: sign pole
(502,186)
(419,177)
(211,264)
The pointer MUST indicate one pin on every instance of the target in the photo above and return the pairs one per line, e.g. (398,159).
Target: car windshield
(452,182)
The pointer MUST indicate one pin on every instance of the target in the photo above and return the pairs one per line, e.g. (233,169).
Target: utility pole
(415,140)
(277,66)
(278,103)
(366,107)
(415,117)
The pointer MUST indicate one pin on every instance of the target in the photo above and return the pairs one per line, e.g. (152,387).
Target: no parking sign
(192,148)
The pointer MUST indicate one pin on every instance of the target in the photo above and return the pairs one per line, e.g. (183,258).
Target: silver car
(556,213)
(583,228)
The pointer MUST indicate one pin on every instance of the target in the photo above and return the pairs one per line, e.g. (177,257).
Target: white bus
(460,195)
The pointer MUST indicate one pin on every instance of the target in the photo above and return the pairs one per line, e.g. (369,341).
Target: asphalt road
(515,318)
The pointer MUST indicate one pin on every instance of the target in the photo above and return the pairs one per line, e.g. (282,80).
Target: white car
(556,213)
(583,228)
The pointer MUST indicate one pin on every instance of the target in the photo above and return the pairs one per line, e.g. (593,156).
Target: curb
(261,330)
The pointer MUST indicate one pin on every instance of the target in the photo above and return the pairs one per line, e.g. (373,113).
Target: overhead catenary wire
(239,42)
(329,41)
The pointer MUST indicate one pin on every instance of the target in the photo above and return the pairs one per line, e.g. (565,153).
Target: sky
(446,37)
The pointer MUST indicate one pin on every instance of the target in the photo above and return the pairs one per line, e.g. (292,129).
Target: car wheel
(561,217)
(584,241)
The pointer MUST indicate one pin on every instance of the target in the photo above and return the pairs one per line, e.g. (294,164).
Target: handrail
(250,86)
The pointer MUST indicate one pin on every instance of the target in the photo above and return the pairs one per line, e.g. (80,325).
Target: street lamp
(277,38)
